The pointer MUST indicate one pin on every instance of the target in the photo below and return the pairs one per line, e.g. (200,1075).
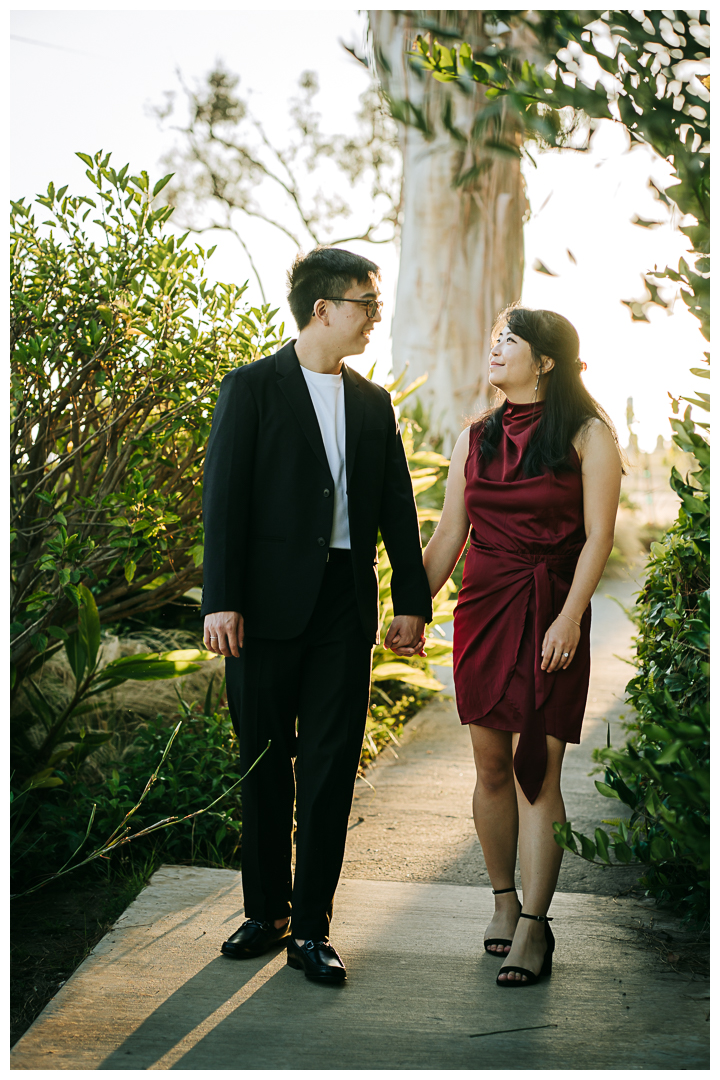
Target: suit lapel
(291,382)
(354,410)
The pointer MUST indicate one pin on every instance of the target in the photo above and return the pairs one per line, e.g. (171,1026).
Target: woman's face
(512,368)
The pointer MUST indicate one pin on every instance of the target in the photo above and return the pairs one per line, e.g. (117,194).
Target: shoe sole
(316,978)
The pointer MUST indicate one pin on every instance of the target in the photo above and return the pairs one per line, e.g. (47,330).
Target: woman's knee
(492,751)
(494,771)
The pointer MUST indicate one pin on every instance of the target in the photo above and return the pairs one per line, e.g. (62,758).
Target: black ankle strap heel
(546,969)
(497,940)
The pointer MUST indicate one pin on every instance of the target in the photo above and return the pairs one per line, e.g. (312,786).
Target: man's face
(350,323)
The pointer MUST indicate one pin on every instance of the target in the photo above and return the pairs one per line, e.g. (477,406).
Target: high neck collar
(519,409)
(520,420)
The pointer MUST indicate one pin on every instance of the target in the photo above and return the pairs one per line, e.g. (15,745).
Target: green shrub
(663,772)
(118,347)
(201,765)
(51,729)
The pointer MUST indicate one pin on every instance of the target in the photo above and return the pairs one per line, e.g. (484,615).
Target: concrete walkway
(409,919)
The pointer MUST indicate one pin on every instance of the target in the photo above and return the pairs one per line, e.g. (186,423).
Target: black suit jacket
(268,498)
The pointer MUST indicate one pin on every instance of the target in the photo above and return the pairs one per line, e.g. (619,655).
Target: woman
(536,481)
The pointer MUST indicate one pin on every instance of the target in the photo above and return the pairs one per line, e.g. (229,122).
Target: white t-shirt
(328,398)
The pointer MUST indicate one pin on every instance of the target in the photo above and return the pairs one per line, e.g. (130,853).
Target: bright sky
(82,80)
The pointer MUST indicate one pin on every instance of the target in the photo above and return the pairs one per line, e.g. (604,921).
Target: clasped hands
(406,636)
(224,633)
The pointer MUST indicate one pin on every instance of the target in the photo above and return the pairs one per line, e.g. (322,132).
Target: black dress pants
(309,696)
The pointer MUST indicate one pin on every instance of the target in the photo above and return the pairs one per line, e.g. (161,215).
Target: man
(304,464)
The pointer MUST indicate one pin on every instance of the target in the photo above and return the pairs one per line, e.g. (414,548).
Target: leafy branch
(121,835)
(118,345)
(648,70)
(226,157)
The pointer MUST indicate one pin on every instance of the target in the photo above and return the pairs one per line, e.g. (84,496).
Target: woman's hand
(559,644)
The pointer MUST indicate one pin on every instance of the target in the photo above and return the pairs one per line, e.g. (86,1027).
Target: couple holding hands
(304,465)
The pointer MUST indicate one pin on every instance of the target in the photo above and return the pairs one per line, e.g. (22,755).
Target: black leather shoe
(253,939)
(317,959)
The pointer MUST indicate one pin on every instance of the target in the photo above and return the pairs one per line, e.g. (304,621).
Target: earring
(537,384)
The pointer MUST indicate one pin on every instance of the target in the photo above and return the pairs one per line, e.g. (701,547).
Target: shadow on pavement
(186,1010)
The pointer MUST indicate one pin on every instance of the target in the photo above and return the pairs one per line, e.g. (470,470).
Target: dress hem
(482,721)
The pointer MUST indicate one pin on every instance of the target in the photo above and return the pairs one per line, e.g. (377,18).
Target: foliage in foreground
(167,789)
(118,346)
(651,65)
(50,730)
(663,773)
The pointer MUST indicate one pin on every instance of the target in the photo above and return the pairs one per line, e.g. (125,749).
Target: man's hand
(224,633)
(405,636)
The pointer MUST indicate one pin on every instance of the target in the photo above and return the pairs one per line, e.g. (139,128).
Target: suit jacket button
(321,542)
(326,492)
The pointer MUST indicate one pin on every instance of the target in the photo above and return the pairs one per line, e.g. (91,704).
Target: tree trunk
(461,257)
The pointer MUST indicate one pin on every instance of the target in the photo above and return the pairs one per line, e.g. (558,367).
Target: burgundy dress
(526,536)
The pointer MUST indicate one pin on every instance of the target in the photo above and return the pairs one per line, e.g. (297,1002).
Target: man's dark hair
(324,272)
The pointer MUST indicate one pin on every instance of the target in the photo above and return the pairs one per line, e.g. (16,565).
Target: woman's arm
(448,540)
(601,476)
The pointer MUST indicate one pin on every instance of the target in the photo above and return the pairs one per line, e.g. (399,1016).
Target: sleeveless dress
(525,538)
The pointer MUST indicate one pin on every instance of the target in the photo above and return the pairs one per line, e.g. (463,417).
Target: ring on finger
(566,654)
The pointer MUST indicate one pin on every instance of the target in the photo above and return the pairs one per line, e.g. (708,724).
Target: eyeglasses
(371,306)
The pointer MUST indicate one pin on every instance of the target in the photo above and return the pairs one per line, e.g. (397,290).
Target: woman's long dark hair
(567,406)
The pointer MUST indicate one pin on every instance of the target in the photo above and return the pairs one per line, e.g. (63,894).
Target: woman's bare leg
(495,812)
(540,859)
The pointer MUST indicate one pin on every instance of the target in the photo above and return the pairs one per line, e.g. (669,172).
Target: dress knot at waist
(562,560)
(538,567)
